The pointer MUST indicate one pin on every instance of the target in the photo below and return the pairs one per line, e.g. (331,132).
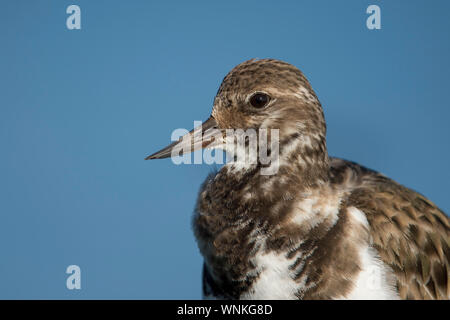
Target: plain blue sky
(80,109)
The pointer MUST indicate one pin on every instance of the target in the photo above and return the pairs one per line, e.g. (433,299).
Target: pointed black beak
(198,138)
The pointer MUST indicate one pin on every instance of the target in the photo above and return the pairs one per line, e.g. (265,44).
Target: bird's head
(264,94)
(268,94)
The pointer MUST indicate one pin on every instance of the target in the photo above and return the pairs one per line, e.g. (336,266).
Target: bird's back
(409,232)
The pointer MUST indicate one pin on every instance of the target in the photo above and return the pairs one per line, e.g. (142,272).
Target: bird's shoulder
(409,232)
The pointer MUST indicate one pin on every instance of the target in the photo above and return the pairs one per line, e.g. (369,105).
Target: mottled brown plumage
(409,232)
(320,228)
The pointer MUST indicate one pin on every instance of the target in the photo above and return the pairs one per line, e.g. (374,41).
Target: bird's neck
(299,161)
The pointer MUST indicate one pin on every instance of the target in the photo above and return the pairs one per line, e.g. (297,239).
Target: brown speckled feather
(409,232)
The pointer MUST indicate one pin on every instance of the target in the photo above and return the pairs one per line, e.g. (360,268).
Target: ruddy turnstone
(318,228)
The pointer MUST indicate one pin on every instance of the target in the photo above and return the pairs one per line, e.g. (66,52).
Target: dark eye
(259,100)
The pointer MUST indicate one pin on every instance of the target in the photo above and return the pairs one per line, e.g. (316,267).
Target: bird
(320,227)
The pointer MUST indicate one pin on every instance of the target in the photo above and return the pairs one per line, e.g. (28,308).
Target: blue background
(80,109)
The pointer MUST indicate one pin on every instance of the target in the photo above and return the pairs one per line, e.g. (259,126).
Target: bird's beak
(198,138)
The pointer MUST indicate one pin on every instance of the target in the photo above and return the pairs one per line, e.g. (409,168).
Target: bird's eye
(259,100)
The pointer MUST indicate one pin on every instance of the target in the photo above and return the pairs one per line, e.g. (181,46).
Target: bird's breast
(307,245)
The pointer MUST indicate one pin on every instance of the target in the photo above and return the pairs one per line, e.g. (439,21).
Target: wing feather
(410,233)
